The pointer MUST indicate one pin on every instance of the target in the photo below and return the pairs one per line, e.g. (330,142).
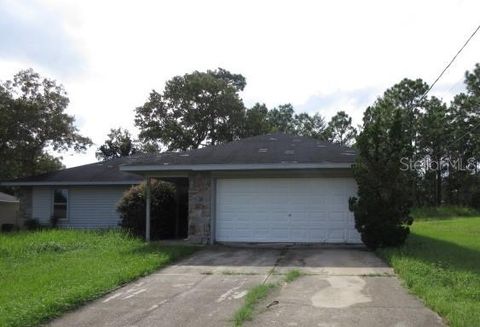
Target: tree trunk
(438,195)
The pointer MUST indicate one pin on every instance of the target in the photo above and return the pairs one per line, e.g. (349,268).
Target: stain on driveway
(342,292)
(342,288)
(208,287)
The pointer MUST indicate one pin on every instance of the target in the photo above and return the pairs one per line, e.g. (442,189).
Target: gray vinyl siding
(88,206)
(42,204)
(93,207)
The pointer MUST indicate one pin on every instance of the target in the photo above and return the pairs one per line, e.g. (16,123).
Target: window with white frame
(60,203)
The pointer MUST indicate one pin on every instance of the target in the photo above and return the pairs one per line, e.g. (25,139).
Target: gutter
(227,167)
(67,183)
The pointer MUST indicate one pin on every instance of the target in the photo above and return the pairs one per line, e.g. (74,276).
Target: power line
(450,63)
(441,74)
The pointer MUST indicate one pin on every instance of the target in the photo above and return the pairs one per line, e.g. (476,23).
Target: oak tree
(34,123)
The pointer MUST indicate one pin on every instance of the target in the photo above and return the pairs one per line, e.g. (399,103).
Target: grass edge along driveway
(258,293)
(440,263)
(46,273)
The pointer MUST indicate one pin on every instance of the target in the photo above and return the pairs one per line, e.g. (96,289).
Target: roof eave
(68,183)
(224,167)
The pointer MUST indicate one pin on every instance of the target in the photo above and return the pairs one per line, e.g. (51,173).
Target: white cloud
(32,32)
(319,56)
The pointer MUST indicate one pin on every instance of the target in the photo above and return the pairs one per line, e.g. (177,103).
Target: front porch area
(193,211)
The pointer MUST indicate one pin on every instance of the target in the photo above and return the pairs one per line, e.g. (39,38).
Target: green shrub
(132,210)
(54,220)
(32,224)
(383,202)
(475,200)
(6,228)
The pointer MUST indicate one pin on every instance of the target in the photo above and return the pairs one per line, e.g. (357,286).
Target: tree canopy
(205,108)
(340,129)
(196,109)
(415,149)
(119,144)
(256,121)
(32,121)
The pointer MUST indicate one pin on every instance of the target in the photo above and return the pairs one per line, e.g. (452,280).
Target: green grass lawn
(45,273)
(443,212)
(440,263)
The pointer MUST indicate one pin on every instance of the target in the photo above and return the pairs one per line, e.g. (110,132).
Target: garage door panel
(285,210)
(324,224)
(299,234)
(261,233)
(318,234)
(300,216)
(283,225)
(353,237)
(263,225)
(279,234)
(323,220)
(278,216)
(228,215)
(318,201)
(336,235)
(300,199)
(337,216)
(240,234)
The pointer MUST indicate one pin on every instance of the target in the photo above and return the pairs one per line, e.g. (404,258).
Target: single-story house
(8,209)
(269,188)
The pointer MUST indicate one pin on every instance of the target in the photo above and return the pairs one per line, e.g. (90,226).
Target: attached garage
(303,210)
(267,188)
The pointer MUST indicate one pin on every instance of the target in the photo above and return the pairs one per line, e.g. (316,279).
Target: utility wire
(443,72)
(450,63)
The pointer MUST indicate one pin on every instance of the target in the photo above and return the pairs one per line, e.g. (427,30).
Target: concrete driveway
(341,287)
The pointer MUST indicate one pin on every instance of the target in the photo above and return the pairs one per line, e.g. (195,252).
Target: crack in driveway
(188,293)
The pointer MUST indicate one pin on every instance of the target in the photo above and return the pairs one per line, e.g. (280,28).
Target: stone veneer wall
(199,207)
(26,202)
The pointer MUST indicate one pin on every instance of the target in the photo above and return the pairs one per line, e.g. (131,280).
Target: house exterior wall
(88,206)
(25,196)
(200,207)
(42,204)
(93,207)
(9,213)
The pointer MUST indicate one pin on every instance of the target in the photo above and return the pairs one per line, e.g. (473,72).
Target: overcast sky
(321,56)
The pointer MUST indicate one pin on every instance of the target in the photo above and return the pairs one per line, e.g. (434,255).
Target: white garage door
(285,210)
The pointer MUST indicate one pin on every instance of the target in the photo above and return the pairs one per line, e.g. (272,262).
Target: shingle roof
(4,197)
(286,151)
(265,149)
(104,172)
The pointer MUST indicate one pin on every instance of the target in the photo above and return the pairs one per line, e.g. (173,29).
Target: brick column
(199,207)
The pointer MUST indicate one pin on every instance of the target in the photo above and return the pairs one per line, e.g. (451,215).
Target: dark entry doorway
(173,225)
